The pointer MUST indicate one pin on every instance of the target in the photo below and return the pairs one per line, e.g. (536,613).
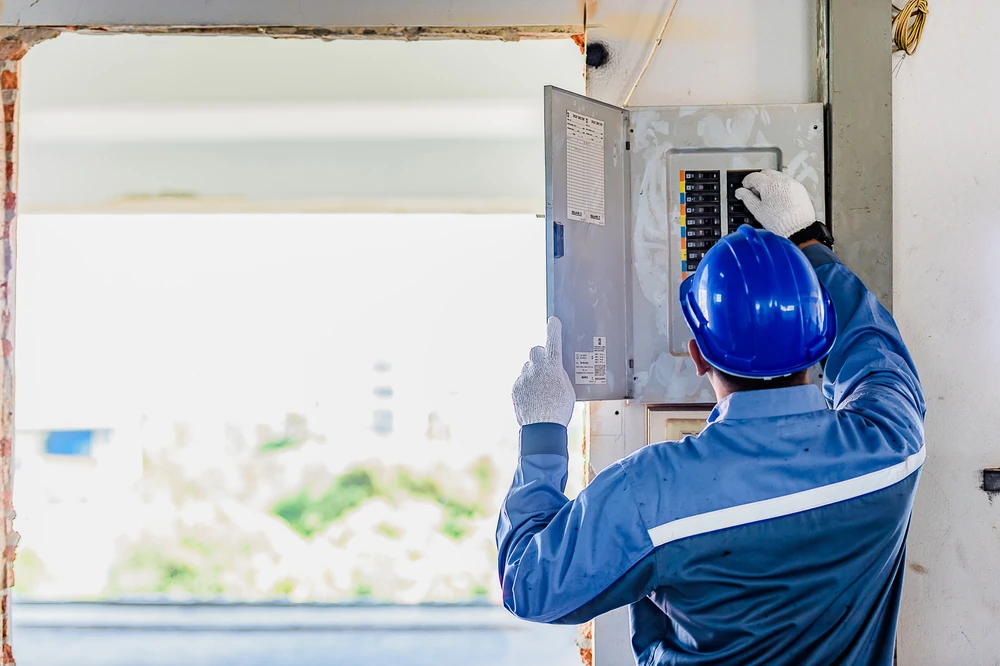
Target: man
(777,535)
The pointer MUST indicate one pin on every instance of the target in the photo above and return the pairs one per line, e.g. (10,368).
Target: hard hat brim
(750,368)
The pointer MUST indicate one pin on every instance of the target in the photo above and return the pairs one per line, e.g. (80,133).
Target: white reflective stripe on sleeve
(785,505)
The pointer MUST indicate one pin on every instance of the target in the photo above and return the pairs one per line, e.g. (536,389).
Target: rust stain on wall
(585,643)
(11,50)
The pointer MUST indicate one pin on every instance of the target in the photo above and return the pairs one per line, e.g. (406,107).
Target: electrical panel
(634,199)
(701,215)
(709,211)
(665,423)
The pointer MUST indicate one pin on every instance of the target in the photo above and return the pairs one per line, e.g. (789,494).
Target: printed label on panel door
(584,168)
(592,367)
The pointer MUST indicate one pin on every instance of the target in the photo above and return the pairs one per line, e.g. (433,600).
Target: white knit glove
(543,393)
(778,201)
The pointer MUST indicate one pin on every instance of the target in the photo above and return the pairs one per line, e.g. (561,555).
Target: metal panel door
(586,253)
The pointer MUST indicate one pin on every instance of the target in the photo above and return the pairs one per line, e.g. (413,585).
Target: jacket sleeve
(563,561)
(869,369)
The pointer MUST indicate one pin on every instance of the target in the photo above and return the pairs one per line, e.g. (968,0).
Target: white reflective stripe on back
(785,505)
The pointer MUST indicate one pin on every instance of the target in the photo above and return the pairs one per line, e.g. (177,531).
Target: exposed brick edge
(11,52)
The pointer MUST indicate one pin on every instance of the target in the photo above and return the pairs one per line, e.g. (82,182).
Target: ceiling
(226,124)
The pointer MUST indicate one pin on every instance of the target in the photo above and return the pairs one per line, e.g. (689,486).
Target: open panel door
(585,212)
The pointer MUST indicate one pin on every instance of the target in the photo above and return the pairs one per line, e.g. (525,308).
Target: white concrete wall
(946,228)
(713,52)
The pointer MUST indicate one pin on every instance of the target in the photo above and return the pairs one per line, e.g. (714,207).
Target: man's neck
(723,390)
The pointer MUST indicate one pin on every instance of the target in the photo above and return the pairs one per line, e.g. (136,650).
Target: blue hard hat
(756,307)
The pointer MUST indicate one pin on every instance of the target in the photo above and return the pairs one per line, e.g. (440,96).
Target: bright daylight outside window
(272,296)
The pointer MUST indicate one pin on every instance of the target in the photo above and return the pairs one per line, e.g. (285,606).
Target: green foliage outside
(308,515)
(224,542)
(456,521)
(483,471)
(30,569)
(283,588)
(388,530)
(457,514)
(278,444)
(364,590)
(149,570)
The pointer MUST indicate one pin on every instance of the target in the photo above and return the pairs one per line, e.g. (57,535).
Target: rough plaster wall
(713,51)
(10,60)
(12,49)
(946,229)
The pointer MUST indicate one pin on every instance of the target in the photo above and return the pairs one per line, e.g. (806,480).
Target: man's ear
(700,364)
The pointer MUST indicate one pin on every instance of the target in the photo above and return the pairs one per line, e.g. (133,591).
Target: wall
(10,66)
(713,52)
(946,163)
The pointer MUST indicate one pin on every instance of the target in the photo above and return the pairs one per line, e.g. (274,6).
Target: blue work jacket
(776,536)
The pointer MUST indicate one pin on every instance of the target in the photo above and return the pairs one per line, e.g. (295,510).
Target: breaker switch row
(737,210)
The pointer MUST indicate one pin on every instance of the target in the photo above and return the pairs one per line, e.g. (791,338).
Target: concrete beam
(859,140)
(562,16)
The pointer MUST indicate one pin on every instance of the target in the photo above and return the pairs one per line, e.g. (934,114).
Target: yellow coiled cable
(908,25)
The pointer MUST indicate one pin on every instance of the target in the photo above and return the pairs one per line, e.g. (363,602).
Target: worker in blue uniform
(776,536)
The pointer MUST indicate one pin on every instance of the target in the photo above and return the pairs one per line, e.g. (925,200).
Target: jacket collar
(769,403)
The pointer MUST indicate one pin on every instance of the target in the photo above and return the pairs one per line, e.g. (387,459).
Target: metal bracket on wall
(991,480)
